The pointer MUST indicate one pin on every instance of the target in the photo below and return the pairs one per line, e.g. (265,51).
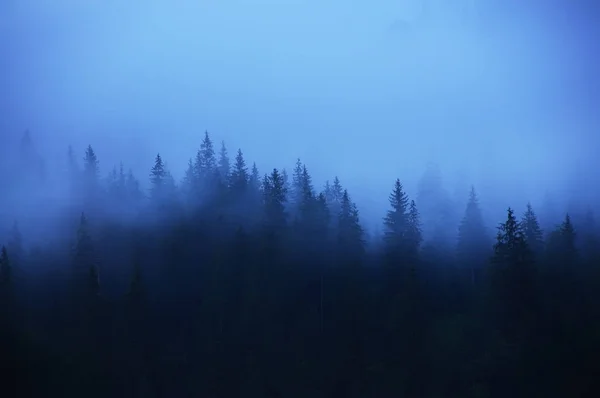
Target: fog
(501,95)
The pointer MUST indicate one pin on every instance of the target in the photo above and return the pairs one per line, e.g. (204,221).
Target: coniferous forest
(239,282)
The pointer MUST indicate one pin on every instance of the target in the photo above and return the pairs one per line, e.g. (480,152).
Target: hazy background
(501,94)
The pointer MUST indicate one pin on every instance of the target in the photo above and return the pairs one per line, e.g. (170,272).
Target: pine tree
(206,163)
(224,166)
(333,194)
(297,194)
(91,169)
(511,247)
(512,277)
(158,179)
(350,235)
(133,192)
(91,172)
(286,181)
(532,231)
(274,201)
(414,233)
(306,199)
(239,175)
(254,180)
(188,183)
(396,223)
(473,244)
(562,248)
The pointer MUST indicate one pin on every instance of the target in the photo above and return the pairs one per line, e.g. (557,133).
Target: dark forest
(244,282)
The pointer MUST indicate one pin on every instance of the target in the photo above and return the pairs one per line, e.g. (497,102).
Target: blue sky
(499,96)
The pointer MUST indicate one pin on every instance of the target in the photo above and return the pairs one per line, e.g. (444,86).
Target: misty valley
(235,281)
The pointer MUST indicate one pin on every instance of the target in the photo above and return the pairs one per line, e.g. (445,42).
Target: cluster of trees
(230,283)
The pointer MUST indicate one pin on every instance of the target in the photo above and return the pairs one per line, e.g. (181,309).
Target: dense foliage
(232,284)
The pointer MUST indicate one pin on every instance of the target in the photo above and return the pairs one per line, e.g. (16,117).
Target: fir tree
(239,174)
(286,181)
(511,247)
(133,192)
(297,193)
(224,166)
(532,231)
(306,198)
(512,277)
(161,181)
(254,180)
(90,166)
(414,233)
(333,194)
(274,201)
(350,235)
(396,223)
(206,163)
(188,183)
(562,248)
(91,173)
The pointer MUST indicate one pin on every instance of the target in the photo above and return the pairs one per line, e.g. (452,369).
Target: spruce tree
(274,201)
(91,172)
(239,175)
(333,194)
(532,231)
(562,248)
(133,191)
(188,183)
(254,180)
(158,179)
(224,166)
(511,247)
(350,235)
(396,223)
(286,181)
(414,233)
(206,163)
(91,169)
(512,277)
(306,198)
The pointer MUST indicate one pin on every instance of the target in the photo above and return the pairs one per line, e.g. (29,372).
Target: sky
(504,94)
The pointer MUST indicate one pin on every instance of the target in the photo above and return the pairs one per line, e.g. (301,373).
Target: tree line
(230,283)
